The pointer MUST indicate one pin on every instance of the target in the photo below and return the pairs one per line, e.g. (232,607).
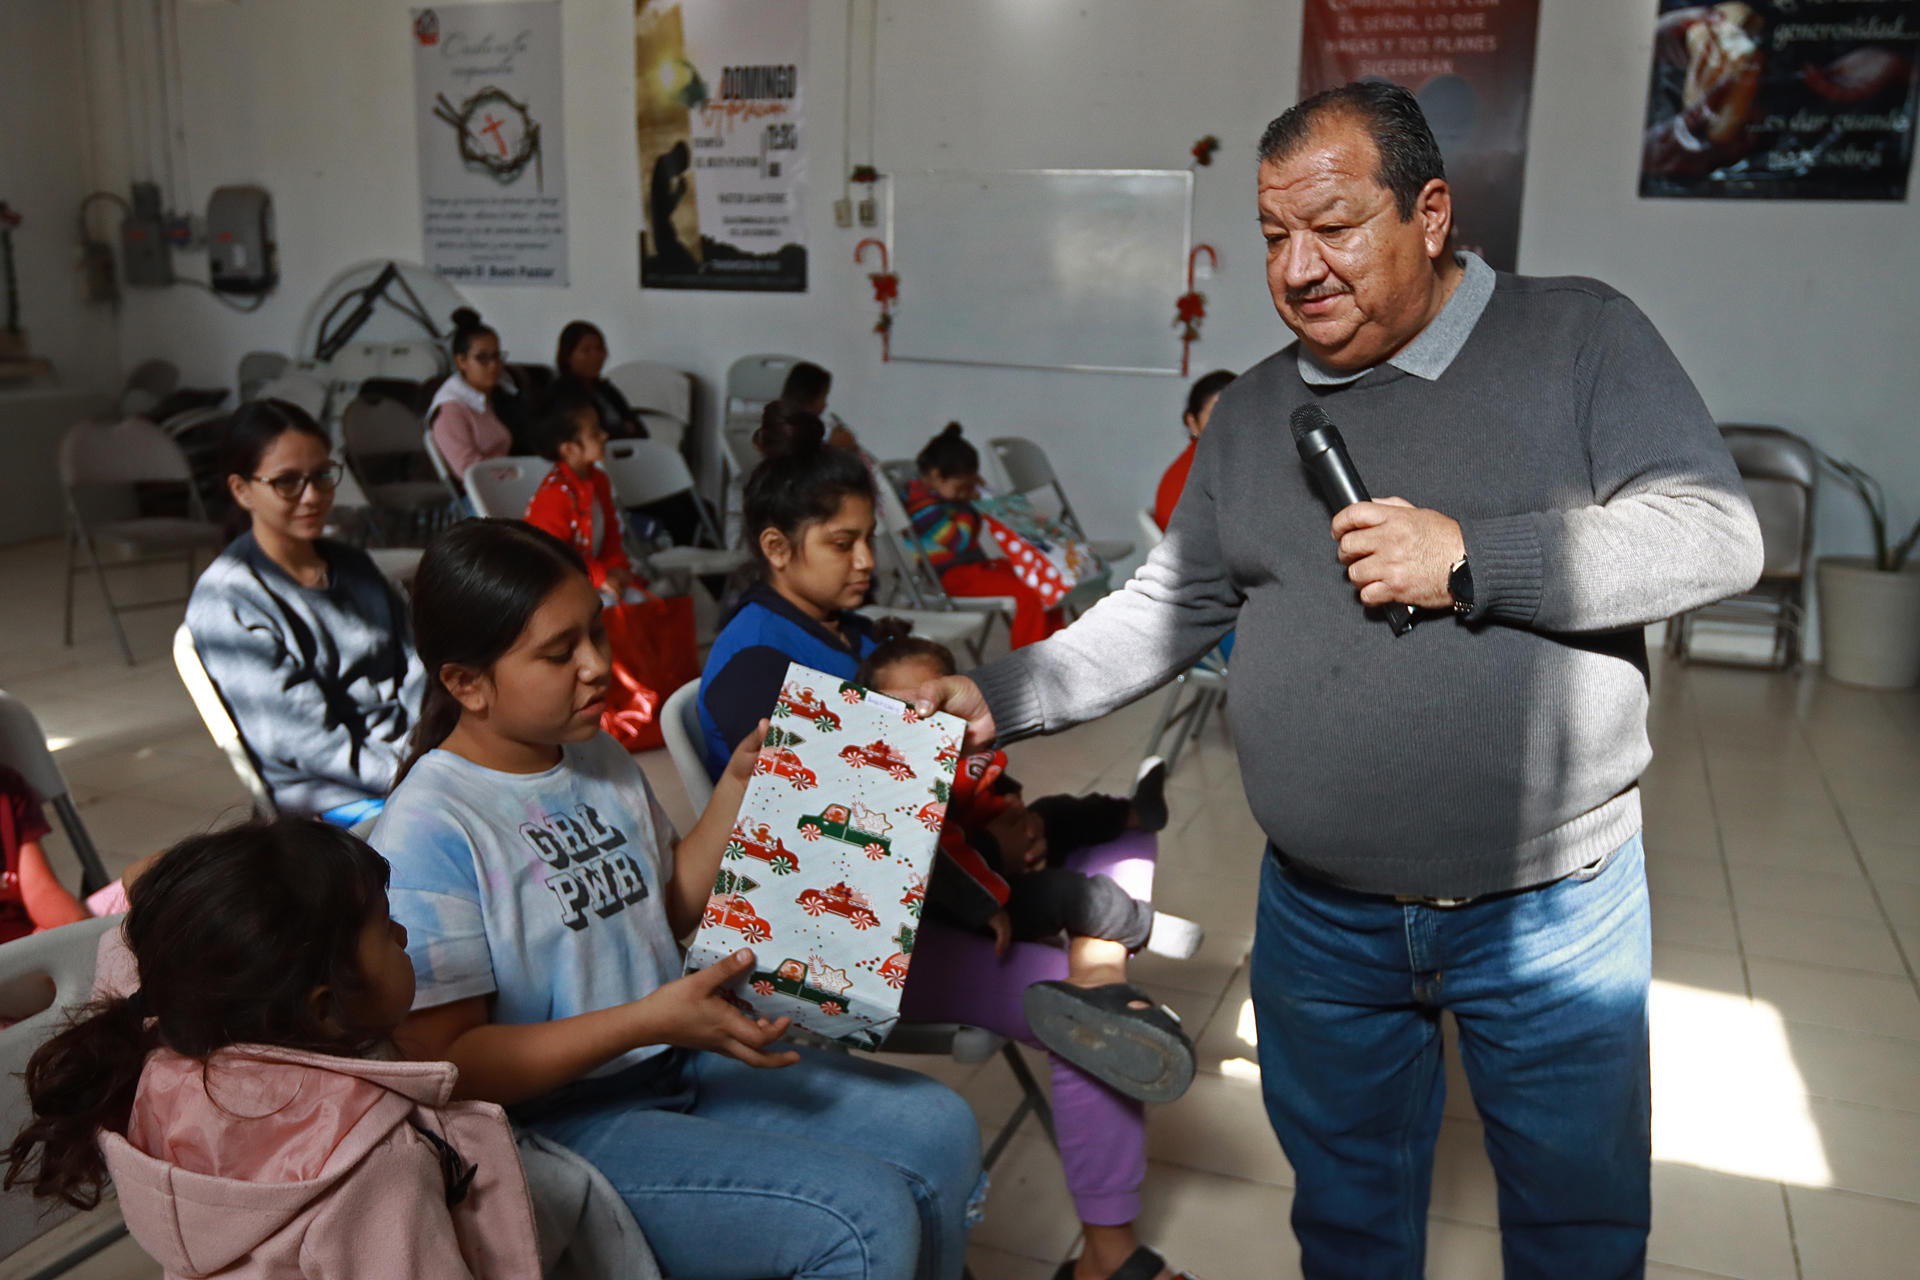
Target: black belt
(1422,900)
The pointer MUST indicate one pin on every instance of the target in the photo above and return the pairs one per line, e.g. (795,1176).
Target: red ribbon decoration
(1190,308)
(886,290)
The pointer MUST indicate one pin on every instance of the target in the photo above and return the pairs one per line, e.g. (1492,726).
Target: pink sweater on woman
(465,436)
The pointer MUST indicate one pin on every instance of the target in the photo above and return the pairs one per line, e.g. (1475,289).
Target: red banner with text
(1470,62)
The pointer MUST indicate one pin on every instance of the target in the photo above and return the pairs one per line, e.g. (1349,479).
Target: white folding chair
(383,437)
(753,381)
(654,388)
(44,979)
(502,487)
(23,748)
(1027,470)
(1151,534)
(955,628)
(646,471)
(256,370)
(414,361)
(219,721)
(96,457)
(298,388)
(680,726)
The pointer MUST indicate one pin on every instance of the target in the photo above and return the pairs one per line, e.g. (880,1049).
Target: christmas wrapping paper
(825,872)
(1047,556)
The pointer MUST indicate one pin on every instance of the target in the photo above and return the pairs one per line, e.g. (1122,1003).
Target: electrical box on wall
(240,249)
(143,241)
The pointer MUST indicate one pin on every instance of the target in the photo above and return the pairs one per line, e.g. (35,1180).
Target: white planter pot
(1869,623)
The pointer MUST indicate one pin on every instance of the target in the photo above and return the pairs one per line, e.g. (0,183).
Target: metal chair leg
(113,613)
(93,872)
(67,632)
(1166,715)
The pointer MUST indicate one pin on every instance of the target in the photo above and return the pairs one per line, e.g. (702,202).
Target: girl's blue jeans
(838,1166)
(1549,991)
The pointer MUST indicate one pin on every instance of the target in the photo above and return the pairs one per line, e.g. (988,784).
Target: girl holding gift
(940,503)
(543,888)
(809,517)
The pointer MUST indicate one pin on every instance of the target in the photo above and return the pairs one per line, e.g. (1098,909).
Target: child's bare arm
(696,860)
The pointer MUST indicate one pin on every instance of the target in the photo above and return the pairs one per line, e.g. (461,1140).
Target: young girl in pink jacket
(243,1099)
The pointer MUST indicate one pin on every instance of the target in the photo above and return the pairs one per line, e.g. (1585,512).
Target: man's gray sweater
(1470,756)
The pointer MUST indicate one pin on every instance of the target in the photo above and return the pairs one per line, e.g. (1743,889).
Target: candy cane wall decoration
(1191,307)
(886,288)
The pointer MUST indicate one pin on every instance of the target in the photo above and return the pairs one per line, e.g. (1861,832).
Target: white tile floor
(1783,836)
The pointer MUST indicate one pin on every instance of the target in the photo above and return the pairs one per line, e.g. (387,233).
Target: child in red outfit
(31,898)
(575,501)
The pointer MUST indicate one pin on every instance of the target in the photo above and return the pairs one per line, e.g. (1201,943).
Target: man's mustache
(1316,292)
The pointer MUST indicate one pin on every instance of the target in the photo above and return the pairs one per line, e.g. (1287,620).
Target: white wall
(43,175)
(1799,314)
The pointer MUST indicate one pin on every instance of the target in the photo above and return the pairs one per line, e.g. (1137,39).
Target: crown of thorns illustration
(496,132)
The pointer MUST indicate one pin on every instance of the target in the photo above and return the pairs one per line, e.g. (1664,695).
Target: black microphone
(1325,454)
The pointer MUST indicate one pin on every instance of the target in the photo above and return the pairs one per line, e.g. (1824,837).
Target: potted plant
(1870,605)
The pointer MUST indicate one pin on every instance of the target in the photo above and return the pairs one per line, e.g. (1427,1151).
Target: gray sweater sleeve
(1173,610)
(1671,528)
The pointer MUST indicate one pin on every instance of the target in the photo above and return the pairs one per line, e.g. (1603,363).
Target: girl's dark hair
(784,429)
(231,933)
(898,644)
(560,421)
(798,486)
(949,454)
(478,585)
(251,431)
(467,326)
(575,333)
(806,382)
(1206,389)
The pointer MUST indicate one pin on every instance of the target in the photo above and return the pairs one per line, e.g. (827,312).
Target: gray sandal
(1143,1053)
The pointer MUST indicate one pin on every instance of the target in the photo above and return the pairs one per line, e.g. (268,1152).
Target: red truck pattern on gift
(878,755)
(807,705)
(758,841)
(817,983)
(842,900)
(853,824)
(731,911)
(781,762)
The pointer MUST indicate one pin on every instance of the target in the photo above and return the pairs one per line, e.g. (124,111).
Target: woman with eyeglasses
(307,643)
(466,423)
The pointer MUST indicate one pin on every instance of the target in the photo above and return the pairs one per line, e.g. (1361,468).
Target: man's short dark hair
(1409,157)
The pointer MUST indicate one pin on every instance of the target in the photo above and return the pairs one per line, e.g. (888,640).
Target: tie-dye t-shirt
(543,890)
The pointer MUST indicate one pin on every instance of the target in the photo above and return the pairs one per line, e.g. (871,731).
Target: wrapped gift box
(826,869)
(1043,552)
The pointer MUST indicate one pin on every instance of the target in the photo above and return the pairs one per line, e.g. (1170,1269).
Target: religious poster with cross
(493,189)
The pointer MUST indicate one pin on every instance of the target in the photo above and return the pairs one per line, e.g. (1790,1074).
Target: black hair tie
(137,1004)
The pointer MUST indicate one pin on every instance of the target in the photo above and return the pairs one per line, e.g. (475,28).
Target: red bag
(653,654)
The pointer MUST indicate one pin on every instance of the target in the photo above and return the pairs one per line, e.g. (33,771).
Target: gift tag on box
(826,868)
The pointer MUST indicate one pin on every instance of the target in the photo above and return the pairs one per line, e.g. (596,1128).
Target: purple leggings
(956,978)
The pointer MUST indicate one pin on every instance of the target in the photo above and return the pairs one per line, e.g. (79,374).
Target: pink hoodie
(275,1163)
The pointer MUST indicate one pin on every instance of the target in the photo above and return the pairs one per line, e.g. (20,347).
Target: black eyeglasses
(291,484)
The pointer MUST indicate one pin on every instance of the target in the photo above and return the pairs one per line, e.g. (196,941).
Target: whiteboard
(1041,268)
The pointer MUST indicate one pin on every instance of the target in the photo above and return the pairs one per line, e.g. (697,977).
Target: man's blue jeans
(1549,990)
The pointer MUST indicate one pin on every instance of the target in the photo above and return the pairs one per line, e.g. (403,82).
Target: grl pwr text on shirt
(586,870)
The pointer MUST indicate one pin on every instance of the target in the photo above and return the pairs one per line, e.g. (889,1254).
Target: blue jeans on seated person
(1549,990)
(838,1166)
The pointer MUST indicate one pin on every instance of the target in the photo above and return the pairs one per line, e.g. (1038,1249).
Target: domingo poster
(1790,99)
(493,178)
(1470,62)
(722,174)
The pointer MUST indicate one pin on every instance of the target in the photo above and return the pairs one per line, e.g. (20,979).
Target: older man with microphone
(1440,701)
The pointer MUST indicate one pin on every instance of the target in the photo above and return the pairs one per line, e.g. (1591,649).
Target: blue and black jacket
(749,660)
